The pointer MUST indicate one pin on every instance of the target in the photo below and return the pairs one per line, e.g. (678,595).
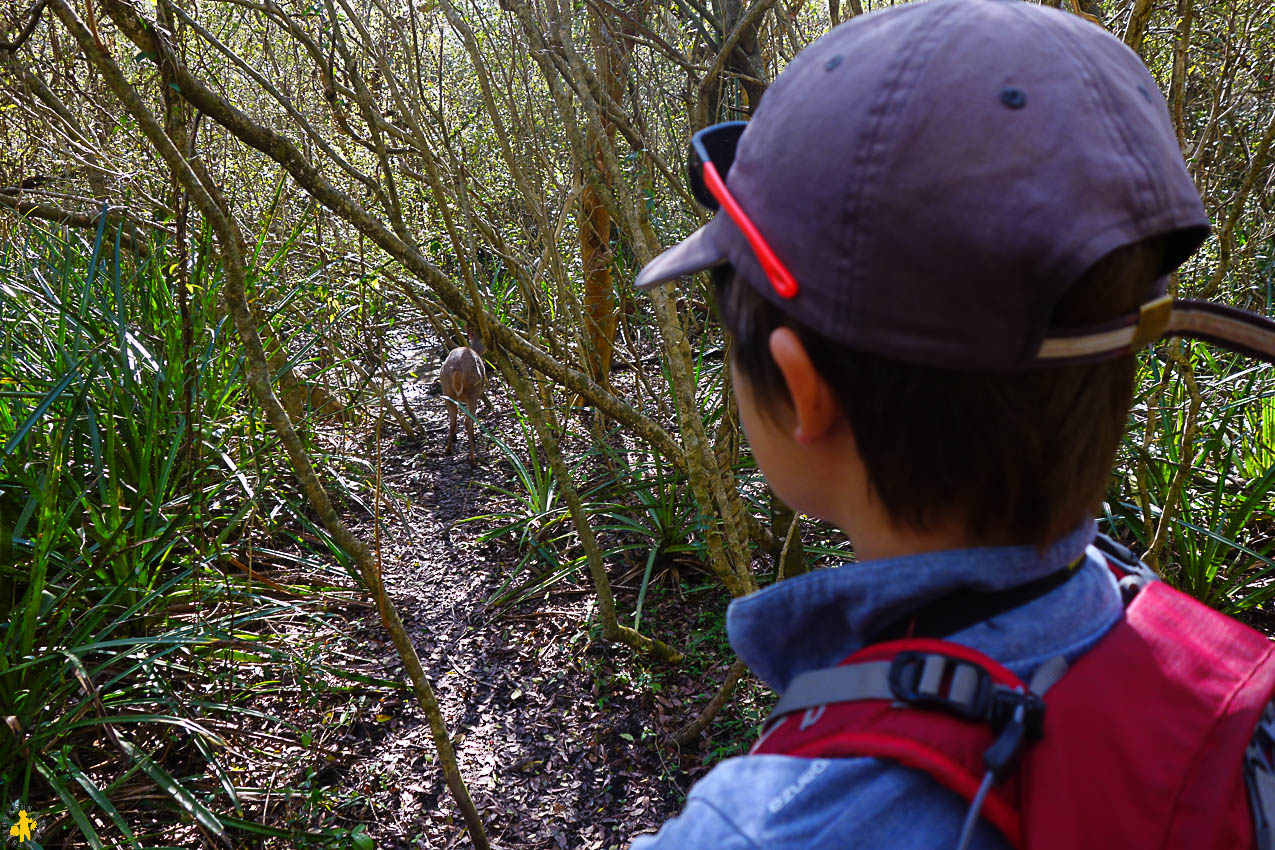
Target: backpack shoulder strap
(1142,747)
(935,706)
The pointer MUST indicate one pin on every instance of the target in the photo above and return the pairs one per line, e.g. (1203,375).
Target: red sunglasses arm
(780,278)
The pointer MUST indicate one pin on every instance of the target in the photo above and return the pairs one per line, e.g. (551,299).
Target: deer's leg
(469,430)
(451,425)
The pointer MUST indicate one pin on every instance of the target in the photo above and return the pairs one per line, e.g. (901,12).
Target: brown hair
(1015,458)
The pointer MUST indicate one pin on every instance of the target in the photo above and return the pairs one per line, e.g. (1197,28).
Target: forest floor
(561,737)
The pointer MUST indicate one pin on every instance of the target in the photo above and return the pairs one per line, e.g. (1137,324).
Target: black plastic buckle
(1017,716)
(1005,702)
(905,685)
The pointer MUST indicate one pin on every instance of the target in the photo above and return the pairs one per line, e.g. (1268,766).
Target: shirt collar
(817,619)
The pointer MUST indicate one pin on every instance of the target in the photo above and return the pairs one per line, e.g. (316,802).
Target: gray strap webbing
(870,680)
(964,685)
(1047,675)
(931,678)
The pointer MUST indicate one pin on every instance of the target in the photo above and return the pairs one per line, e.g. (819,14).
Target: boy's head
(977,203)
(1017,458)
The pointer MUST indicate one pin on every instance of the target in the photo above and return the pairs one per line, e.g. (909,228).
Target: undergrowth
(167,670)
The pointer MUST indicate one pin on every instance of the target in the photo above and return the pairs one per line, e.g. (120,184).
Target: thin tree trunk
(594,219)
(611,628)
(1258,168)
(789,555)
(687,735)
(259,381)
(1139,18)
(1177,84)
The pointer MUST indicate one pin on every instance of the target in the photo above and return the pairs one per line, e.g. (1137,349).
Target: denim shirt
(816,620)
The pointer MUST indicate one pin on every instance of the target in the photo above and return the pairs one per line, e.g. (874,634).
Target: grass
(1219,541)
(137,664)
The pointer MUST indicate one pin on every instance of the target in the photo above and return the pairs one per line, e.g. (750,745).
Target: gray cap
(936,175)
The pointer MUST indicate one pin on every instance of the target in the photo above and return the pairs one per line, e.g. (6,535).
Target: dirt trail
(551,760)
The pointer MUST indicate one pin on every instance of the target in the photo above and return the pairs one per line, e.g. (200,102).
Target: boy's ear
(815,406)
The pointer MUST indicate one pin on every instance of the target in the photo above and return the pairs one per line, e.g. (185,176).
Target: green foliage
(532,516)
(652,513)
(127,467)
(1219,545)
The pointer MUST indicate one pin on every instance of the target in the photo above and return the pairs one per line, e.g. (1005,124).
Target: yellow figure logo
(22,829)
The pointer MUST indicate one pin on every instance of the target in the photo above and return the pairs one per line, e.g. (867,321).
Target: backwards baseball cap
(925,182)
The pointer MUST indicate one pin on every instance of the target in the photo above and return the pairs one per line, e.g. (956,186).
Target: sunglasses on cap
(711,156)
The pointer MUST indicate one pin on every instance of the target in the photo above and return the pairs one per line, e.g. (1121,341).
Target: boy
(940,241)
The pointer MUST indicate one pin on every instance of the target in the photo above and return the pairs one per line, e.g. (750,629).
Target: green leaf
(98,797)
(175,790)
(72,806)
(361,840)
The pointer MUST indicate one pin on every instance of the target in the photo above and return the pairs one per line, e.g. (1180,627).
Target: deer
(463,376)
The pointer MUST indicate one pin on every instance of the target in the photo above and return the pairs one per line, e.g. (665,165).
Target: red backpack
(1139,744)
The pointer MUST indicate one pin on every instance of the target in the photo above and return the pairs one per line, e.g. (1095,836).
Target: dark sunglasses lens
(718,143)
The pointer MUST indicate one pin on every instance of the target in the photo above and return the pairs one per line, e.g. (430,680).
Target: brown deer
(463,377)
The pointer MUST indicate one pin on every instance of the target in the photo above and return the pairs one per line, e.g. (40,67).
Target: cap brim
(693,254)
